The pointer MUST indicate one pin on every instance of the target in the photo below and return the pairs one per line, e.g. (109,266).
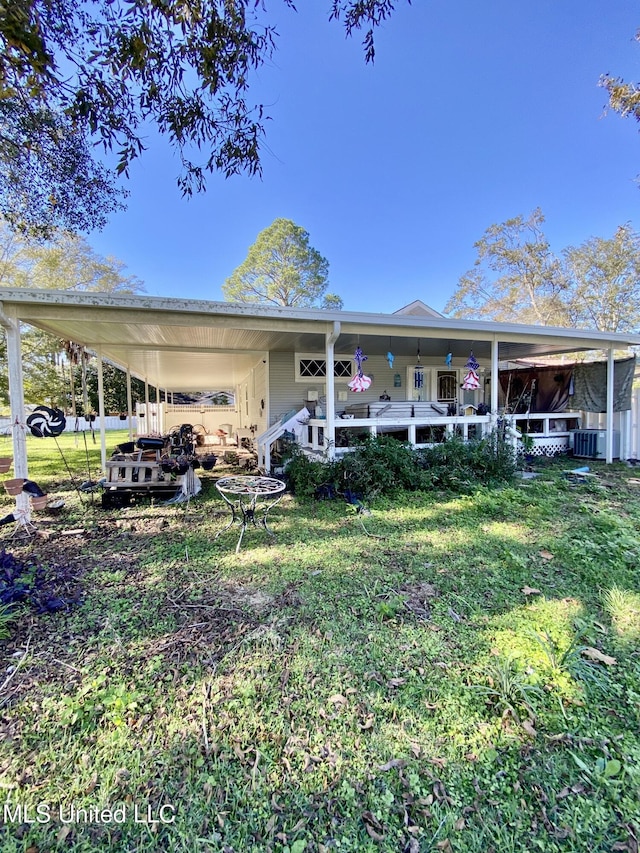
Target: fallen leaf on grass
(92,784)
(337,699)
(394,762)
(574,789)
(527,725)
(62,833)
(546,555)
(530,590)
(373,826)
(460,824)
(596,654)
(445,846)
(367,723)
(396,682)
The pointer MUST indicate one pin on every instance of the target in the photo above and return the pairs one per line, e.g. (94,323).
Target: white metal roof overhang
(191,345)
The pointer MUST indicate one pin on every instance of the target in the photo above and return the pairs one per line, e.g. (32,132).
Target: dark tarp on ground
(590,385)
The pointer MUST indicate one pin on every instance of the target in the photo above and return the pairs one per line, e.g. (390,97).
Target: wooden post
(129,404)
(609,418)
(16,394)
(101,414)
(330,407)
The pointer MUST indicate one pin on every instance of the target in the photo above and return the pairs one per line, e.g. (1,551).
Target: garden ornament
(46,422)
(471,381)
(360,382)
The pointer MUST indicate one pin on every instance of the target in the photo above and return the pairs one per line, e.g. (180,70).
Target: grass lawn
(450,673)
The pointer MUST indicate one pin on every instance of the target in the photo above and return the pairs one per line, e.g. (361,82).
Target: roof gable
(417,308)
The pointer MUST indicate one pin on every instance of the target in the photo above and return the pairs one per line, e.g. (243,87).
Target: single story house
(279,361)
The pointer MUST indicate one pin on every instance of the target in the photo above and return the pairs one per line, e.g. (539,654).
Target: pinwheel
(46,422)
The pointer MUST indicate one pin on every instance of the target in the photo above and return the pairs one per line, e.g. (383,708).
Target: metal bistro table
(250,499)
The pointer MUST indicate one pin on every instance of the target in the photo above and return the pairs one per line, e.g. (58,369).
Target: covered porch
(280,362)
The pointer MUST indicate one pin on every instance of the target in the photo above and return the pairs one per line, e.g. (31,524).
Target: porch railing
(291,422)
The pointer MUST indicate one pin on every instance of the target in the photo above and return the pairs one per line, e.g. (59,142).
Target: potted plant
(182,464)
(209,461)
(527,445)
(168,465)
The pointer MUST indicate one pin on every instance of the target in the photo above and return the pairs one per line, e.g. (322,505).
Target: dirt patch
(418,598)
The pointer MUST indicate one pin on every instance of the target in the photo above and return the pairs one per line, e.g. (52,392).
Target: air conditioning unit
(592,443)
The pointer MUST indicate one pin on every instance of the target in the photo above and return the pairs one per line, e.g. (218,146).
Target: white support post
(147,427)
(101,415)
(16,394)
(330,412)
(609,417)
(494,380)
(129,404)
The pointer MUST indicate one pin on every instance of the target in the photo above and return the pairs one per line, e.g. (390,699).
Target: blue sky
(472,113)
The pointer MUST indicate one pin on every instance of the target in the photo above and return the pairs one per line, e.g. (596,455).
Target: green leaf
(612,768)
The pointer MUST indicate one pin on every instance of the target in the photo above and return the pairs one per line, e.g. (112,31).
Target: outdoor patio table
(250,499)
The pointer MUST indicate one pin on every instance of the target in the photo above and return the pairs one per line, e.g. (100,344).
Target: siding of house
(252,391)
(285,393)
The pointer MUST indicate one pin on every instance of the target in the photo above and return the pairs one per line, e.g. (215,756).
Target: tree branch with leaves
(102,71)
(517,278)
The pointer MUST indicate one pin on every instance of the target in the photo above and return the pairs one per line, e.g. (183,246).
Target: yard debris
(530,590)
(373,826)
(455,616)
(392,764)
(597,655)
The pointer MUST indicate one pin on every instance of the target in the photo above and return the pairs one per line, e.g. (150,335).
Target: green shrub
(382,465)
(6,615)
(460,466)
(306,476)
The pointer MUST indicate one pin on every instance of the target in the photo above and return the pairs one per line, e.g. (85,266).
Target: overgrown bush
(459,466)
(307,477)
(383,465)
